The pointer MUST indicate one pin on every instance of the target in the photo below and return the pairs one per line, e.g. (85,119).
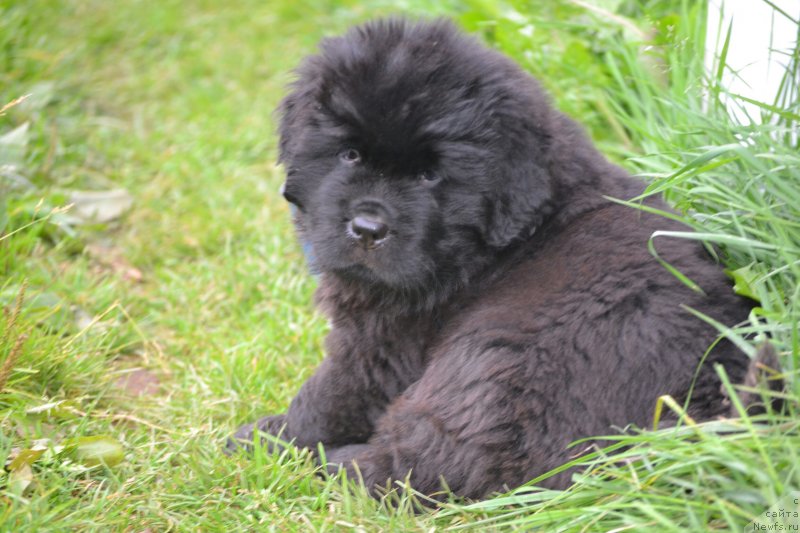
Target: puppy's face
(407,148)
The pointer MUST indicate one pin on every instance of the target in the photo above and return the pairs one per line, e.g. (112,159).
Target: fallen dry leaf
(139,382)
(112,259)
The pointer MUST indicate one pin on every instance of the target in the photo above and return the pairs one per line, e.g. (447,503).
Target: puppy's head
(413,153)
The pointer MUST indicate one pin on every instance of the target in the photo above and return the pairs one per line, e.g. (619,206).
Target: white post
(761,38)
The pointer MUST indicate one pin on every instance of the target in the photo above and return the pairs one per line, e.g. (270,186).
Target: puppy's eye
(350,156)
(428,178)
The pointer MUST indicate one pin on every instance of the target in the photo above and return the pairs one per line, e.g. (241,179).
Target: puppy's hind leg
(338,457)
(470,424)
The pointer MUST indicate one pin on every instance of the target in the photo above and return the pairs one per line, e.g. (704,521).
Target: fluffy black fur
(509,309)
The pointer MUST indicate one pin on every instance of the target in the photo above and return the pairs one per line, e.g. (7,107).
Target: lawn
(154,296)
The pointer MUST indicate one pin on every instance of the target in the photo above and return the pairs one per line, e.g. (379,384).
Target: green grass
(200,286)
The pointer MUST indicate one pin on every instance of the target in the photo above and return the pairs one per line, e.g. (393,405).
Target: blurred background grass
(186,309)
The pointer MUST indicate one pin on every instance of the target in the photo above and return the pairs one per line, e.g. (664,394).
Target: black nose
(370,230)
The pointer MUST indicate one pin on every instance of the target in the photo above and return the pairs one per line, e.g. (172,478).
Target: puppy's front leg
(338,405)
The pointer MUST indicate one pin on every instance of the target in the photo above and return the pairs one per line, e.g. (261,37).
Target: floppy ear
(522,199)
(297,108)
(289,120)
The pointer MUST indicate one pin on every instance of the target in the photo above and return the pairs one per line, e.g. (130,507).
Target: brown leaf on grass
(112,259)
(139,382)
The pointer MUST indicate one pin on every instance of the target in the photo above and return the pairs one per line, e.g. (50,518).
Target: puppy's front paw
(245,436)
(343,457)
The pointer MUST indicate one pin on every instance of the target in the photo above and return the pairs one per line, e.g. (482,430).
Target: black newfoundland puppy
(489,305)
